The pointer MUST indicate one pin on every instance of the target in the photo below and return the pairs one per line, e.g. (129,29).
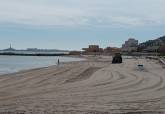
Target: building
(151,49)
(162,49)
(130,43)
(111,50)
(93,49)
(130,46)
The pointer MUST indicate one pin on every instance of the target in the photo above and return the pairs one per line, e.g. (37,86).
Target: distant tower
(10,46)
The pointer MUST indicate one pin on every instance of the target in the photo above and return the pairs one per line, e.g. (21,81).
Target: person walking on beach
(58,62)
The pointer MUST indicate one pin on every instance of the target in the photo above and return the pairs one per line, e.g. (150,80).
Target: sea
(11,64)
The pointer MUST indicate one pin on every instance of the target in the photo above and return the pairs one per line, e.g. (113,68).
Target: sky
(74,24)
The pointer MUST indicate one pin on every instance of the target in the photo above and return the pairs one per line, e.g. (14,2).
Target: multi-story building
(130,45)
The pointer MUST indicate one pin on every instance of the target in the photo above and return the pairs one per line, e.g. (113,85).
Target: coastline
(31,62)
(92,86)
(35,54)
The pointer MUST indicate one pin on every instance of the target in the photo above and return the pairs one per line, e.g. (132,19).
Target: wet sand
(94,86)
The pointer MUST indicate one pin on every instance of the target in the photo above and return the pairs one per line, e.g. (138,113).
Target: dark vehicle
(117,59)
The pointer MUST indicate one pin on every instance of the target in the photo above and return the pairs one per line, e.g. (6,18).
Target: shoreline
(38,68)
(44,66)
(85,59)
(92,86)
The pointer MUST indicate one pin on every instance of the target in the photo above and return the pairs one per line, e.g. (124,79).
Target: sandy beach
(94,86)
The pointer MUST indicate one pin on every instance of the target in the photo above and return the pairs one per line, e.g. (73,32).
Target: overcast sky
(73,24)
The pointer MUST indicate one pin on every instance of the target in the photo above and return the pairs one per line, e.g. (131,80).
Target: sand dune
(88,87)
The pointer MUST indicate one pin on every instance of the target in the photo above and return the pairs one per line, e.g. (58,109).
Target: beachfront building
(130,46)
(93,49)
(151,49)
(162,50)
(111,50)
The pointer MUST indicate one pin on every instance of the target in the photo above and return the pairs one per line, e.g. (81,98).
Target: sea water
(11,64)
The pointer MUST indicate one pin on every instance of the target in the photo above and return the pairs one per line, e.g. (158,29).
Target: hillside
(152,45)
(157,42)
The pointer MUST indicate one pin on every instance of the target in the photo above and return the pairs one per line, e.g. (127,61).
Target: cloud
(83,12)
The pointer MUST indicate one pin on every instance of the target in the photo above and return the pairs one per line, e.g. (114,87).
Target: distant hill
(152,45)
(9,49)
(157,42)
(162,38)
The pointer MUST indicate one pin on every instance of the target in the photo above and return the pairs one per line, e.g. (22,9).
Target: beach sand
(94,86)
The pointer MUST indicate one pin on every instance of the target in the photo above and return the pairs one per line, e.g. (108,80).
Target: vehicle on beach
(141,67)
(117,59)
